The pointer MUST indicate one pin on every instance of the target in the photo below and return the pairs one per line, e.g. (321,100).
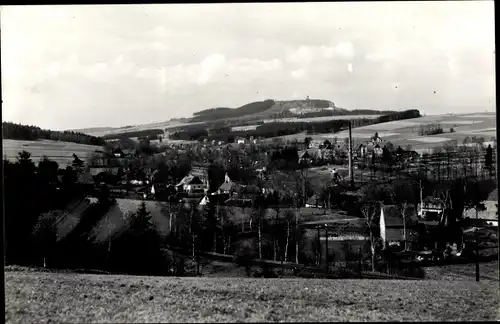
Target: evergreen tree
(45,234)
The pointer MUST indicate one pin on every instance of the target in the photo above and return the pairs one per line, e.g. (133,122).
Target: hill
(278,109)
(59,151)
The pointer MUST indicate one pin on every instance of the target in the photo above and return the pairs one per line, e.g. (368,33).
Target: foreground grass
(63,297)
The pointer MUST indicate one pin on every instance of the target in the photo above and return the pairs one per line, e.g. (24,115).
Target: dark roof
(228,186)
(304,154)
(393,217)
(238,202)
(493,196)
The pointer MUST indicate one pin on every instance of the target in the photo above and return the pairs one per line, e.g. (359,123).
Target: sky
(68,67)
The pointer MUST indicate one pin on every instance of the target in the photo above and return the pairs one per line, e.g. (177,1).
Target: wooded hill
(31,133)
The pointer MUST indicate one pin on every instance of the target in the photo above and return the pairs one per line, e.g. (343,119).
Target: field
(405,132)
(61,297)
(61,152)
(135,128)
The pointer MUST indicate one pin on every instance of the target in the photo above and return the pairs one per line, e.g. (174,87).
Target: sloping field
(135,128)
(117,219)
(404,132)
(61,152)
(43,297)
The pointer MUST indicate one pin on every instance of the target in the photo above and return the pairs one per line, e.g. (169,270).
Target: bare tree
(403,208)
(369,210)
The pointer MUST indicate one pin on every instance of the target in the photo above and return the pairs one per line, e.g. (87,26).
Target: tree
(474,200)
(488,158)
(370,209)
(45,234)
(404,207)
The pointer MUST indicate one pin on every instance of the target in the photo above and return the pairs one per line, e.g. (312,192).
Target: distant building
(360,151)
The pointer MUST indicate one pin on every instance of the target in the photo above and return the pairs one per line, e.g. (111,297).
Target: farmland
(61,152)
(405,132)
(60,297)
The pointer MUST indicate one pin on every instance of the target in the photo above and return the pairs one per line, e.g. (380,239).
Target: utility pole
(477,247)
(326,248)
(351,173)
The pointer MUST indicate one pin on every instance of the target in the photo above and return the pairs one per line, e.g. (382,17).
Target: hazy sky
(90,66)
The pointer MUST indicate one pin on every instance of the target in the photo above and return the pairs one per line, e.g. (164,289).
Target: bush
(452,130)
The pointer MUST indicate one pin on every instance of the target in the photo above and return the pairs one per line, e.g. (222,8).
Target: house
(304,157)
(375,139)
(191,184)
(377,150)
(228,186)
(327,144)
(314,202)
(392,227)
(430,211)
(344,237)
(488,216)
(240,140)
(360,151)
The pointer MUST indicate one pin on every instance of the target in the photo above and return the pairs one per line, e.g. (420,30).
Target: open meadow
(45,297)
(61,152)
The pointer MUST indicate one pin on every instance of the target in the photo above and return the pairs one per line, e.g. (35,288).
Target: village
(236,180)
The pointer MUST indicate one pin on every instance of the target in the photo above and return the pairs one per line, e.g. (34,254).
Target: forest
(32,133)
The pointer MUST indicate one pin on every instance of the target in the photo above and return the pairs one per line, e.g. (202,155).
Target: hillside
(278,109)
(59,297)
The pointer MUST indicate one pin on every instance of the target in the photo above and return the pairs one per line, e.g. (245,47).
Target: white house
(191,184)
(488,216)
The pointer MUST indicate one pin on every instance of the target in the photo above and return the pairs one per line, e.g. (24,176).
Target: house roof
(190,179)
(228,186)
(304,154)
(493,196)
(238,202)
(393,217)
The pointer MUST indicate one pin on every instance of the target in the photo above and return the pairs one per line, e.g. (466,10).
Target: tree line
(31,133)
(275,129)
(151,134)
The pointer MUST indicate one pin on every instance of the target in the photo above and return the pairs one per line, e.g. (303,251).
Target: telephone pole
(351,172)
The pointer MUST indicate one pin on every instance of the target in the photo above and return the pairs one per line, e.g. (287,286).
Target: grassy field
(43,297)
(61,152)
(405,132)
